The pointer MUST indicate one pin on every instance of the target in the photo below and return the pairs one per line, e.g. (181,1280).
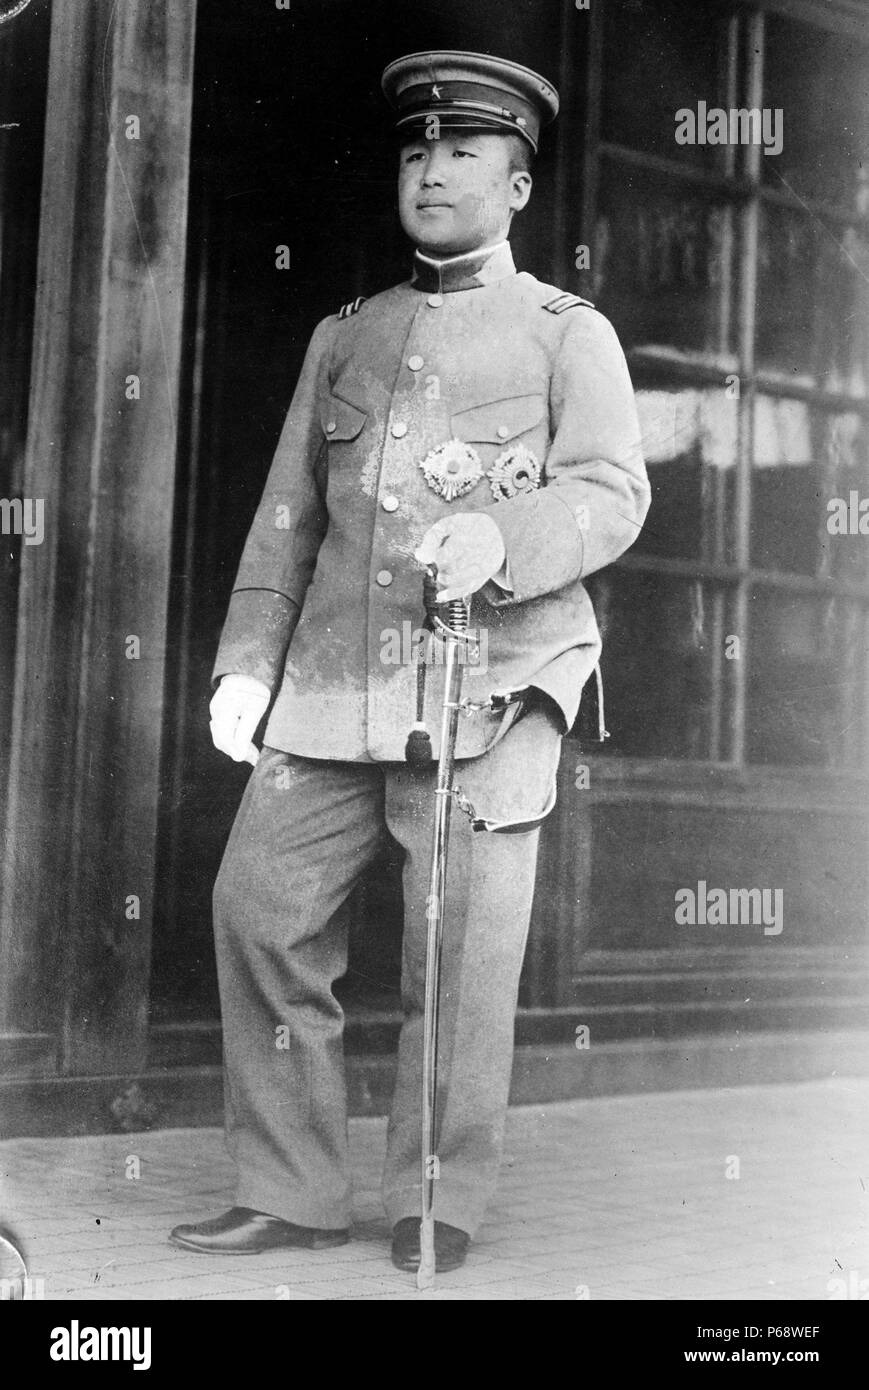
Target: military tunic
(471,351)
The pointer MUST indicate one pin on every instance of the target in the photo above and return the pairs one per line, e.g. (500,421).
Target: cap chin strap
(476,116)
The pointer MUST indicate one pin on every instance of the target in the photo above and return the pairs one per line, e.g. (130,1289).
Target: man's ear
(520,189)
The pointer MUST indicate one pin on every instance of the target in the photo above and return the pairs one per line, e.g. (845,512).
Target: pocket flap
(340,419)
(497,421)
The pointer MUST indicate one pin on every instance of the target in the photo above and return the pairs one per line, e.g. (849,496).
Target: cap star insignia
(436,91)
(452,469)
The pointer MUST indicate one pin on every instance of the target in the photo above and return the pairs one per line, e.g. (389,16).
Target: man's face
(456,193)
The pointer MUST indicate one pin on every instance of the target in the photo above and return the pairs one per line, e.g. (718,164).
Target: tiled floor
(618,1198)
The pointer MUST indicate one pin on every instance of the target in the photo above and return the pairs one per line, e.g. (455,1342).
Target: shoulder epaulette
(560,302)
(348,310)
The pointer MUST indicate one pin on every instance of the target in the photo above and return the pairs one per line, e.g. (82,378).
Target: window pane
(807,681)
(818,80)
(804,459)
(813,301)
(662,663)
(659,58)
(689,443)
(843,484)
(662,264)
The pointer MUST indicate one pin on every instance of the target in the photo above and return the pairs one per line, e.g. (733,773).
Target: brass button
(416,363)
(399,429)
(435,301)
(384,578)
(390,504)
(502,431)
(331,427)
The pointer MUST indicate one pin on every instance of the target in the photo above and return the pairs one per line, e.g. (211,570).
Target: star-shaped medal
(452,469)
(516,470)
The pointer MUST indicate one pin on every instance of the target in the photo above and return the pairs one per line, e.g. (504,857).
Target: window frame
(730,584)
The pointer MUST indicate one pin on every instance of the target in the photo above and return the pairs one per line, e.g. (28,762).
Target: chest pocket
(496,422)
(340,419)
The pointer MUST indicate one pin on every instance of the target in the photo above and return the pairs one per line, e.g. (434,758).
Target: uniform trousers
(305,831)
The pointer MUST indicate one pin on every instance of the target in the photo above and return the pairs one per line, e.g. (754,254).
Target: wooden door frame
(88,703)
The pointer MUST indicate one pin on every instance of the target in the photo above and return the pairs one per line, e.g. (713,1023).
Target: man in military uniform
(474,420)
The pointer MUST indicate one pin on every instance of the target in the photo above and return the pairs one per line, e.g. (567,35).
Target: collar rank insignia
(452,469)
(516,470)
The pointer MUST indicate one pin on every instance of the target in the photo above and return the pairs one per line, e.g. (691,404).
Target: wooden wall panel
(614,854)
(86,727)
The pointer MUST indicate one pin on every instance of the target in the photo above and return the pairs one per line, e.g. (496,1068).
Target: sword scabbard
(452,636)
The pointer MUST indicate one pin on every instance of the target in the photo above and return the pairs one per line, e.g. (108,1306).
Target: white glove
(237,706)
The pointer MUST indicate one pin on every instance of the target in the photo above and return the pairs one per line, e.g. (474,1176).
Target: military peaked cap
(469,91)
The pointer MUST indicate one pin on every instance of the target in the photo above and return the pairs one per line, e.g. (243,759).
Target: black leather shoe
(241,1231)
(451,1245)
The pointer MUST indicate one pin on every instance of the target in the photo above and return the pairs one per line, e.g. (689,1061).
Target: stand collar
(467,272)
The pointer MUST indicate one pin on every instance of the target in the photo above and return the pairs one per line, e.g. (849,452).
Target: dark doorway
(23,88)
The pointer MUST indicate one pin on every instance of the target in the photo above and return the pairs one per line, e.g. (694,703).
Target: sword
(454,634)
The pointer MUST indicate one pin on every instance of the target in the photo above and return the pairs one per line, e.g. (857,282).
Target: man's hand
(468,550)
(236,708)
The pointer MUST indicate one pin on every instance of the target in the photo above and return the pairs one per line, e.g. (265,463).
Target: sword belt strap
(495,827)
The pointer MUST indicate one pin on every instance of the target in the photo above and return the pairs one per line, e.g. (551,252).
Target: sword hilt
(459,613)
(458,610)
(418,749)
